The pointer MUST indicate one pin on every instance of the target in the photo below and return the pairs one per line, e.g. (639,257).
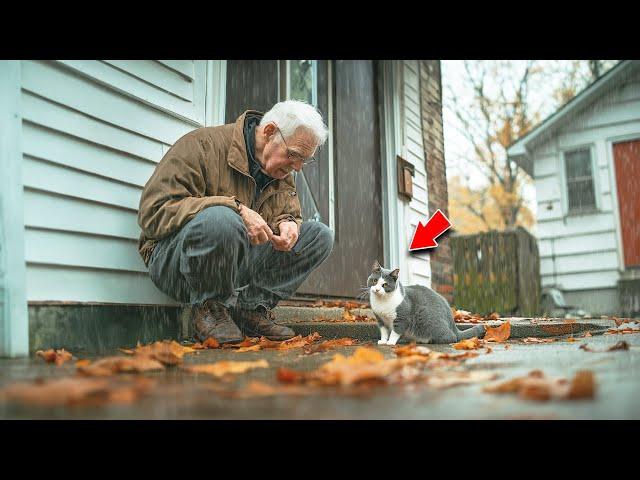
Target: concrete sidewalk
(180,395)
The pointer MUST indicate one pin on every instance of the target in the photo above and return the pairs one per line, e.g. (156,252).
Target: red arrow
(425,235)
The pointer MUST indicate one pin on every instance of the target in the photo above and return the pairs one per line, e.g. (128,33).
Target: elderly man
(221,221)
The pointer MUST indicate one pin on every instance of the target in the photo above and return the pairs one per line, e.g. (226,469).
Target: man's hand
(287,238)
(257,229)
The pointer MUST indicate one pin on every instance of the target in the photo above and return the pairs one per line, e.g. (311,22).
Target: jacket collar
(237,156)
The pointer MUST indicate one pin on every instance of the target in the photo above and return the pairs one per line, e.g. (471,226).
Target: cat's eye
(385,285)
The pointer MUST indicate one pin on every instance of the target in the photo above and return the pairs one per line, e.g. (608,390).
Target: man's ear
(376,266)
(269,130)
(395,273)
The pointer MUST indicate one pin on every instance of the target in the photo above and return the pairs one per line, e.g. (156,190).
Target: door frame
(14,313)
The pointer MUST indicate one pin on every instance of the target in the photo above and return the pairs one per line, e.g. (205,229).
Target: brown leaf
(209,343)
(247,342)
(83,363)
(328,345)
(537,340)
(507,347)
(225,367)
(587,334)
(58,356)
(252,348)
(168,352)
(535,386)
(498,334)
(571,339)
(582,386)
(347,316)
(451,379)
(76,391)
(411,349)
(621,345)
(110,365)
(468,344)
(260,389)
(493,316)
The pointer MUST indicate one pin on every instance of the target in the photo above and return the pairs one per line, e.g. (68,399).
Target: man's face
(280,158)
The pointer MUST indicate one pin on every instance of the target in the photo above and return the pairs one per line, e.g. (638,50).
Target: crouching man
(221,221)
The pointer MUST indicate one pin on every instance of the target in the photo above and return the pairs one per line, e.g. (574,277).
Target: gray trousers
(211,258)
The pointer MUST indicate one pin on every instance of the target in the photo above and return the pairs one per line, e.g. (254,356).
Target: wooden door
(627,163)
(253,84)
(358,225)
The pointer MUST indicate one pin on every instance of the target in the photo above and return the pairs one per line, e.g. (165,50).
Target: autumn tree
(492,105)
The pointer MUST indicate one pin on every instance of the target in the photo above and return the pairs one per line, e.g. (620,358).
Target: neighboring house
(585,160)
(81,138)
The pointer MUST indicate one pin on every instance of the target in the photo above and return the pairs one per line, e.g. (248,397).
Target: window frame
(590,147)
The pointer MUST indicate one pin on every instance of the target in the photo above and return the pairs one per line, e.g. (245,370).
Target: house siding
(441,262)
(417,210)
(93,132)
(583,252)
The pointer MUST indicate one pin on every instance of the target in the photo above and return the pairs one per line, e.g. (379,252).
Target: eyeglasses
(291,155)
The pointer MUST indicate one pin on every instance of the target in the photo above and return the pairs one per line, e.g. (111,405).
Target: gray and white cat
(415,313)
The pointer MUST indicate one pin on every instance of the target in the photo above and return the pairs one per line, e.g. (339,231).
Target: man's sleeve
(292,211)
(175,193)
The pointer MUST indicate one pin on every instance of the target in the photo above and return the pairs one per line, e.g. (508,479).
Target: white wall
(587,247)
(417,265)
(93,132)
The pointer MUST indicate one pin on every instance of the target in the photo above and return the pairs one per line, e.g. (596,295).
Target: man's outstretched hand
(257,229)
(287,238)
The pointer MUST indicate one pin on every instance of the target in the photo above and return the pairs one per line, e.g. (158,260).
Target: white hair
(290,115)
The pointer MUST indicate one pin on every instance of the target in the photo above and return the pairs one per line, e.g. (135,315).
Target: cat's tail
(475,331)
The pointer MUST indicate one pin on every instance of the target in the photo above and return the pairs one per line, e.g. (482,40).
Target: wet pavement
(181,395)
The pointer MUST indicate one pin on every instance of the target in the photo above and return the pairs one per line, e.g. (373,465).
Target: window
(302,81)
(579,174)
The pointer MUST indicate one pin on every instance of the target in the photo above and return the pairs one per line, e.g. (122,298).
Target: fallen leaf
(55,356)
(76,391)
(225,367)
(411,349)
(498,334)
(468,344)
(535,386)
(571,339)
(493,316)
(111,365)
(247,342)
(168,352)
(621,345)
(209,343)
(489,349)
(347,316)
(83,363)
(587,334)
(256,388)
(328,345)
(537,340)
(507,347)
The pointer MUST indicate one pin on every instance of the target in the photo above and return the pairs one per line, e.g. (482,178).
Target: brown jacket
(206,167)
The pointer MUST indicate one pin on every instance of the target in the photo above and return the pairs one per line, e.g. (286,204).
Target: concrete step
(329,323)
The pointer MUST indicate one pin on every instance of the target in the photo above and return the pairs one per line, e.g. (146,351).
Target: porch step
(328,322)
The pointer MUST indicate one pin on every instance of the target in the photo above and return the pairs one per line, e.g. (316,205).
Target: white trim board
(14,318)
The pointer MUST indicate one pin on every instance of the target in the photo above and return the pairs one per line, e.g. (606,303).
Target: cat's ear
(395,273)
(376,266)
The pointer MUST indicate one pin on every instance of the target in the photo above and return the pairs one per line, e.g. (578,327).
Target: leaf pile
(624,326)
(463,316)
(535,386)
(55,356)
(250,344)
(368,366)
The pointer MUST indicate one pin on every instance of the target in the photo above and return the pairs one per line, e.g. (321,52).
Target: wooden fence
(497,272)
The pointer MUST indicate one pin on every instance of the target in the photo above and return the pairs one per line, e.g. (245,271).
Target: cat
(415,312)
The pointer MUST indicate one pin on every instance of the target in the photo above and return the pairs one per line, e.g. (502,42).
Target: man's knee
(321,235)
(217,224)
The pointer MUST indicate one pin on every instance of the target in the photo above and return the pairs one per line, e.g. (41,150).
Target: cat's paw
(382,342)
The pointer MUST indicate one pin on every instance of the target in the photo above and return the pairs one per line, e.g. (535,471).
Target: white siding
(583,251)
(93,132)
(417,264)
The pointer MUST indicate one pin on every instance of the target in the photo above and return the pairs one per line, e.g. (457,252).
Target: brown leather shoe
(212,319)
(260,323)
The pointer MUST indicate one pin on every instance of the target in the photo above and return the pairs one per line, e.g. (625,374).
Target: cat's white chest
(385,306)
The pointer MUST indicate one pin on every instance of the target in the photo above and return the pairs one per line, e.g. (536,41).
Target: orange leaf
(329,344)
(498,334)
(58,356)
(347,316)
(111,365)
(225,367)
(468,344)
(83,363)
